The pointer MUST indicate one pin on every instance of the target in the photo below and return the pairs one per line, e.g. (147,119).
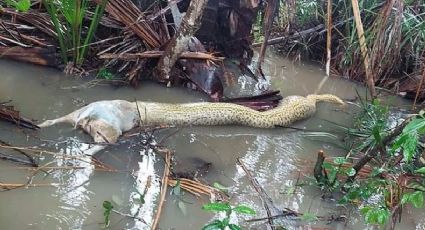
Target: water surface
(278,158)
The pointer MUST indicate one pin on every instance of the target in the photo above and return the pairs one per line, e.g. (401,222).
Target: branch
(377,148)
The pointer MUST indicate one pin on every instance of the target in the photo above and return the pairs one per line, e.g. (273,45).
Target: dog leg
(69,118)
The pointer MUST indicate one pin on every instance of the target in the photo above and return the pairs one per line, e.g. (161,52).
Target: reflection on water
(278,158)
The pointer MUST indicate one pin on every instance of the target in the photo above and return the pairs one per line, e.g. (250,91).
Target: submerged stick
(14,159)
(265,199)
(164,186)
(9,186)
(318,168)
(419,88)
(30,158)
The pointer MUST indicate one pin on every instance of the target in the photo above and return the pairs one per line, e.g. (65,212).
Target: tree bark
(178,43)
(268,21)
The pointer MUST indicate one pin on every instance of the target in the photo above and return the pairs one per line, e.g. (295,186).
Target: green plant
(225,222)
(394,179)
(105,74)
(408,141)
(20,5)
(108,207)
(67,17)
(178,193)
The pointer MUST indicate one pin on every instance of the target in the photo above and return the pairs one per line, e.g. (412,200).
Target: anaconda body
(290,110)
(122,115)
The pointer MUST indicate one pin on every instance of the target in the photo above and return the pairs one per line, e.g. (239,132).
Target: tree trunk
(178,43)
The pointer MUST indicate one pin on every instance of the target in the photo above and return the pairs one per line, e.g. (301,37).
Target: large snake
(105,121)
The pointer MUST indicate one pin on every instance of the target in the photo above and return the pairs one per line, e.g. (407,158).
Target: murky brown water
(278,158)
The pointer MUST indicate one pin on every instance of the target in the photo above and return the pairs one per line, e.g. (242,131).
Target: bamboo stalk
(363,48)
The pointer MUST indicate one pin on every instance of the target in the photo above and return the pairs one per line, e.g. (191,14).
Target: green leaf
(215,225)
(375,215)
(417,199)
(216,207)
(351,172)
(405,198)
(141,198)
(107,205)
(225,221)
(310,217)
(234,227)
(409,147)
(220,187)
(421,170)
(377,134)
(108,208)
(177,189)
(340,160)
(398,143)
(23,5)
(414,125)
(244,209)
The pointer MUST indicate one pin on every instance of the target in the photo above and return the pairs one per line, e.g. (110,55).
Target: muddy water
(72,199)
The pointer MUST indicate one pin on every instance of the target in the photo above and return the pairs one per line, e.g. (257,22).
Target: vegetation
(20,5)
(225,222)
(394,179)
(394,32)
(67,17)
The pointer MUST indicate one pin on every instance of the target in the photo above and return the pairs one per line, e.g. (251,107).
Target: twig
(195,187)
(265,199)
(9,186)
(14,159)
(297,214)
(129,216)
(92,162)
(419,88)
(164,185)
(32,161)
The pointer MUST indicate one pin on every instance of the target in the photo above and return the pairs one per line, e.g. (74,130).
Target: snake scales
(105,121)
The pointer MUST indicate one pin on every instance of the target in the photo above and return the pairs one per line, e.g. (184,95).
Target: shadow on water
(279,158)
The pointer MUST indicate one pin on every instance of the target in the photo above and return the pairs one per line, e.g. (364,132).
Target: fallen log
(38,56)
(8,113)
